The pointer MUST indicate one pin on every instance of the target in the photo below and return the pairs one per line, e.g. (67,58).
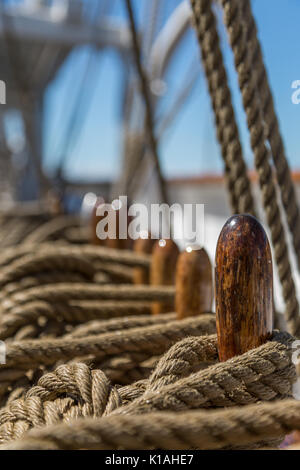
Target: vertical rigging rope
(227,131)
(253,107)
(287,190)
(146,95)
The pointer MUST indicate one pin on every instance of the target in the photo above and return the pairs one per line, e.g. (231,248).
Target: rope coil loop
(87,364)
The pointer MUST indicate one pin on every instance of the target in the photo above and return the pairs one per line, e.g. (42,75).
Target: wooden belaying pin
(194,286)
(243,286)
(162,272)
(142,245)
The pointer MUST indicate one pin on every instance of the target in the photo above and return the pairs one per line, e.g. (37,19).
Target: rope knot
(71,391)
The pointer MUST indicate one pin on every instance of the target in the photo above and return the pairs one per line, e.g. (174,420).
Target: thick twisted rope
(155,339)
(73,313)
(227,131)
(72,391)
(14,230)
(265,373)
(116,272)
(52,229)
(96,254)
(181,359)
(145,90)
(127,368)
(247,82)
(64,293)
(287,190)
(30,265)
(98,327)
(44,278)
(77,235)
(190,430)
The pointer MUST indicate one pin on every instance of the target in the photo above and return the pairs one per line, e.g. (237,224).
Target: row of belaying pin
(243,281)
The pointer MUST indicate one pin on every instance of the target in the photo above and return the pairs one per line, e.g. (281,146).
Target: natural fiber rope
(77,235)
(94,253)
(189,430)
(14,230)
(287,190)
(85,310)
(43,278)
(253,108)
(155,339)
(205,24)
(127,368)
(33,264)
(247,379)
(118,273)
(97,327)
(109,255)
(188,376)
(65,292)
(238,182)
(145,90)
(52,229)
(72,391)
(181,359)
(265,373)
(31,313)
(70,313)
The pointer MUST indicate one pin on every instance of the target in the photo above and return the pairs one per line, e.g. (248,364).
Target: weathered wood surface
(142,245)
(243,286)
(163,269)
(194,286)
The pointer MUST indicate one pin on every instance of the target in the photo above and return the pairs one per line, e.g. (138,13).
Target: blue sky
(189,147)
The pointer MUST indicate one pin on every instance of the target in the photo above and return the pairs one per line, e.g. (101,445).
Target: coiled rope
(75,367)
(75,391)
(189,430)
(78,373)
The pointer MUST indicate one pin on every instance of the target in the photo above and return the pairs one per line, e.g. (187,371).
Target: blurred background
(74,118)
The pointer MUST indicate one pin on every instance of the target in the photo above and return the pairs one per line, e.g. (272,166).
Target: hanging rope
(253,109)
(238,183)
(148,107)
(287,190)
(146,382)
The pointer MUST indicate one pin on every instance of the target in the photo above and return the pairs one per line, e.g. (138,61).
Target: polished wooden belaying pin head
(163,268)
(142,245)
(194,286)
(243,286)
